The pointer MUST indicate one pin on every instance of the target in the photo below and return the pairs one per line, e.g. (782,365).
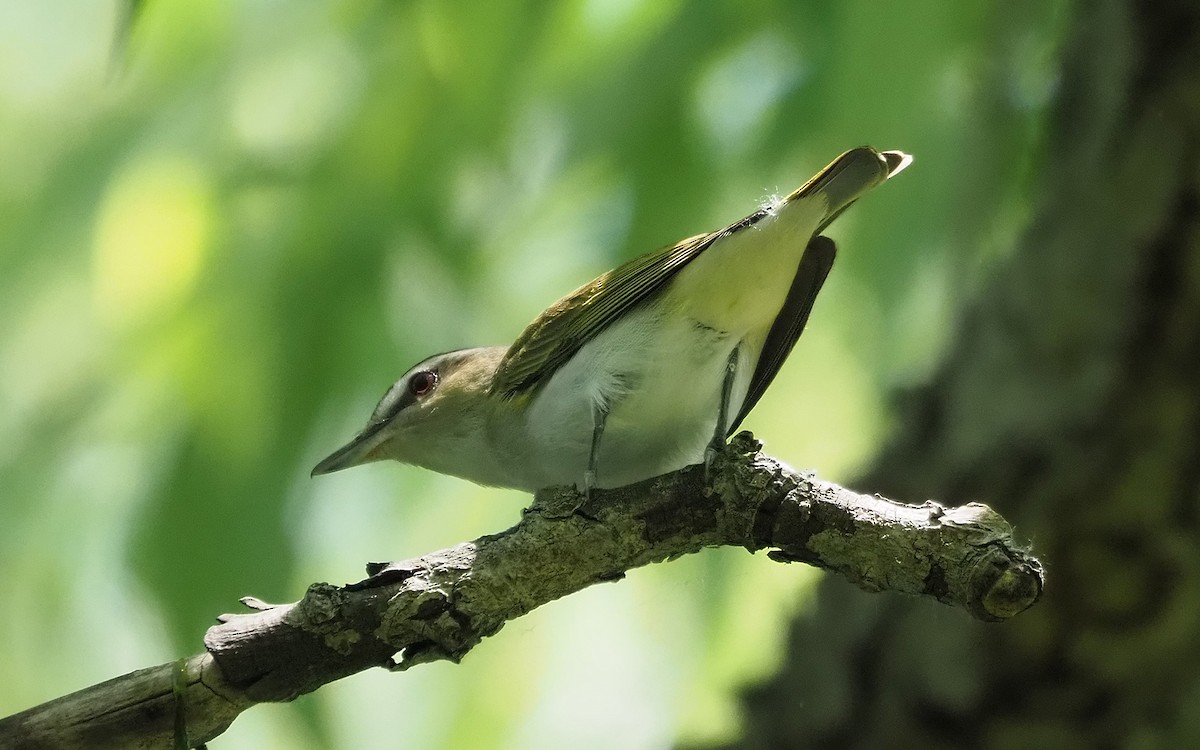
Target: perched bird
(642,371)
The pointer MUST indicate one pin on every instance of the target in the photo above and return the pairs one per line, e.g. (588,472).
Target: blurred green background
(222,238)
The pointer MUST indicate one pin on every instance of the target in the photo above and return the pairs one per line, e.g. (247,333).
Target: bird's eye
(422,383)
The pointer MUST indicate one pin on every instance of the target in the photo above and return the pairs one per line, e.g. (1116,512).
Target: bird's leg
(718,438)
(599,414)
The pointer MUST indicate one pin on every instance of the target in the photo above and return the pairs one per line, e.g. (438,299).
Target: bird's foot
(589,481)
(714,449)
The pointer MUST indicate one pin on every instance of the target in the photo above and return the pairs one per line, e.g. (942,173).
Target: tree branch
(441,605)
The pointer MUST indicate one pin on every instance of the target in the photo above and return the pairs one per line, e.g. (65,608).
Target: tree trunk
(1071,403)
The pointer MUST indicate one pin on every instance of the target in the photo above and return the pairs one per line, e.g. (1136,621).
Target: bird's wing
(558,333)
(789,324)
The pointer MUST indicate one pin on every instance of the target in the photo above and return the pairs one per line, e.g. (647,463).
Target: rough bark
(1071,400)
(443,604)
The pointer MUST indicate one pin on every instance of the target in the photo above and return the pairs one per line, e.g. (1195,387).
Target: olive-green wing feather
(559,332)
(789,324)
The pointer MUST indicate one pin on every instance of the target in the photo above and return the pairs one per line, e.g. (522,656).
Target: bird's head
(430,414)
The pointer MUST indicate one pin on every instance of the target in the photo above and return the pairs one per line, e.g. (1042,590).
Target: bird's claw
(589,481)
(713,450)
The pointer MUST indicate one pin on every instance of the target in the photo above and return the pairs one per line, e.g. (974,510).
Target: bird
(642,371)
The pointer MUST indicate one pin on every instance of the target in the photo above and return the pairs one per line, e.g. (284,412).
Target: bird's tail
(848,177)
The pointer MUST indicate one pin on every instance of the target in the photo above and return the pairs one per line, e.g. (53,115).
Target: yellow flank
(739,283)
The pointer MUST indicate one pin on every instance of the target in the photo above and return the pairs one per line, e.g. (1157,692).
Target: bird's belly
(659,377)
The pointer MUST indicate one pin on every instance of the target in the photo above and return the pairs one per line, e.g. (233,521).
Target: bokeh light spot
(151,238)
(740,89)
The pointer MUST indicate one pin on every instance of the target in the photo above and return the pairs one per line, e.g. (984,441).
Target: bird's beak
(358,451)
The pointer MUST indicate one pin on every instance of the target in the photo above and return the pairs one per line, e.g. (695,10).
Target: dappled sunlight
(738,93)
(152,235)
(746,610)
(39,379)
(231,407)
(630,703)
(42,71)
(590,35)
(79,582)
(289,108)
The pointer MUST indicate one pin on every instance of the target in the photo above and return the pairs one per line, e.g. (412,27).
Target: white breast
(659,377)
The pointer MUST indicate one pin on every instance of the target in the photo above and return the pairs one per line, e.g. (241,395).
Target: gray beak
(353,453)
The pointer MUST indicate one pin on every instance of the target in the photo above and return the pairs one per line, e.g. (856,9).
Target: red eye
(422,382)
